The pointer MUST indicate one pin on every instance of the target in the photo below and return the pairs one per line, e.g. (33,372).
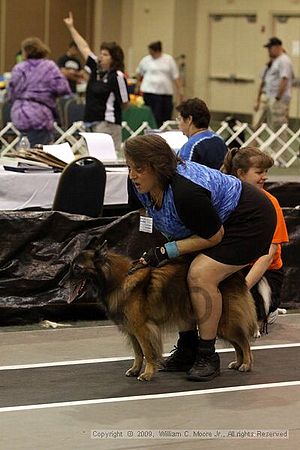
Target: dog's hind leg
(244,358)
(247,355)
(135,370)
(239,357)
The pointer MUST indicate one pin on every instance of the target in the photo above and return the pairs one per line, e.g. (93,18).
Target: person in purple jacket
(34,86)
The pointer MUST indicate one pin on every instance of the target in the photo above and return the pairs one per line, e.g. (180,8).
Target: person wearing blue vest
(203,146)
(200,210)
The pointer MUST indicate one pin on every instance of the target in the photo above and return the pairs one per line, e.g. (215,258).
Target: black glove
(155,257)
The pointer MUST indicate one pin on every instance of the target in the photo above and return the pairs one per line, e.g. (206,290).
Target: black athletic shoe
(205,368)
(180,360)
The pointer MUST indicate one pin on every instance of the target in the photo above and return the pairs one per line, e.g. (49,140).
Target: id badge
(146,224)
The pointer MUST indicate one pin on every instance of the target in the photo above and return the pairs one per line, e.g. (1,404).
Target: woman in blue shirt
(227,222)
(203,146)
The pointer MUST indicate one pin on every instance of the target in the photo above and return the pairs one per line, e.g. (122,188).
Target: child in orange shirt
(265,276)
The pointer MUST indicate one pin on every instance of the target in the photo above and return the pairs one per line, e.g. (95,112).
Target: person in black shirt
(204,146)
(107,91)
(71,67)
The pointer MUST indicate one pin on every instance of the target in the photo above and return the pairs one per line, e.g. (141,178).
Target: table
(37,190)
(135,116)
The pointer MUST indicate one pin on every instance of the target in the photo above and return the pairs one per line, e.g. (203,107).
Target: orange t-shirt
(280,236)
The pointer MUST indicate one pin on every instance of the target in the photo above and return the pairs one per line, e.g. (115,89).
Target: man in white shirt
(278,84)
(156,74)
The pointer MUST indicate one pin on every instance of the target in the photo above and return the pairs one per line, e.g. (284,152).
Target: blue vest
(186,151)
(225,194)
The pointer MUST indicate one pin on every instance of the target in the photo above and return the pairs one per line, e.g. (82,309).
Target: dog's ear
(101,252)
(94,243)
(103,247)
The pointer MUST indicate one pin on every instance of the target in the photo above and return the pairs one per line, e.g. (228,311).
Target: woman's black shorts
(248,231)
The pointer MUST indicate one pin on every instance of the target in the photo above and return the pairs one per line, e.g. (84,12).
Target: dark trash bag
(35,255)
(38,247)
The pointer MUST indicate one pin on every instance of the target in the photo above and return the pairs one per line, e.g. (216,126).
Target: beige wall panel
(152,20)
(229,38)
(220,94)
(230,97)
(59,36)
(222,51)
(23,19)
(185,41)
(295,103)
(2,34)
(126,34)
(260,32)
(97,24)
(243,97)
(245,48)
(111,20)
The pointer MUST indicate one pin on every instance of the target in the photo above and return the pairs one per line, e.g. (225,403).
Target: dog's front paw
(145,376)
(245,368)
(234,365)
(132,372)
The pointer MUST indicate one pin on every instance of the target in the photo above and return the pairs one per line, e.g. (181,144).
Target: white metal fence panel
(283,145)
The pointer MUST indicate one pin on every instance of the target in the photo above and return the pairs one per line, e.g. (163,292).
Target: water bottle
(23,143)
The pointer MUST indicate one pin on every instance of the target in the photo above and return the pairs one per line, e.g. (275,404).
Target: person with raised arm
(107,91)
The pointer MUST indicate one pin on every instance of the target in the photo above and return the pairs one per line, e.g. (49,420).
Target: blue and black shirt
(197,201)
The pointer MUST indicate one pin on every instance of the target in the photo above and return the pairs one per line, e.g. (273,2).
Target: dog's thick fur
(149,300)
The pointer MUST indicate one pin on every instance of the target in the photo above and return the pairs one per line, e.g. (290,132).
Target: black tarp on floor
(36,251)
(37,248)
(286,192)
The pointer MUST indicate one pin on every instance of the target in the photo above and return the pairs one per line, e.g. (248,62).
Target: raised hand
(69,21)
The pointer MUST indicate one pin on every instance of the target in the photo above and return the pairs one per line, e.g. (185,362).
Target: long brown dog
(149,300)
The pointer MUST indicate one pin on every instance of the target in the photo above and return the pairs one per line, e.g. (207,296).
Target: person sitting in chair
(204,146)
